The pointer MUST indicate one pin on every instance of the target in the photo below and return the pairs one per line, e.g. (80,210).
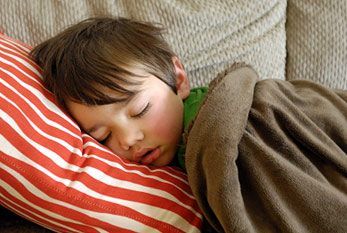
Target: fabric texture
(317,42)
(263,157)
(191,107)
(62,179)
(207,35)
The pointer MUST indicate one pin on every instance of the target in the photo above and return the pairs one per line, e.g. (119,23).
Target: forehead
(112,89)
(105,94)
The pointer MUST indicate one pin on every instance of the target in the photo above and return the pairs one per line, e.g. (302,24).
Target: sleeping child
(261,156)
(124,85)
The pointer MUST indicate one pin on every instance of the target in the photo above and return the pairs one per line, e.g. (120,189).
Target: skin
(147,129)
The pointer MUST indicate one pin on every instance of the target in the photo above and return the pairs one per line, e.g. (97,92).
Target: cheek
(166,122)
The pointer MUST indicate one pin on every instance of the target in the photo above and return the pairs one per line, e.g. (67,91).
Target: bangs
(97,77)
(101,89)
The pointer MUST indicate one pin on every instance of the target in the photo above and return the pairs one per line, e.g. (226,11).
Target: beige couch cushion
(317,41)
(207,35)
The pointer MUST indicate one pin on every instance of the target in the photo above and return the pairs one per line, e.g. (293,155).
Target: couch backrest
(208,35)
(317,41)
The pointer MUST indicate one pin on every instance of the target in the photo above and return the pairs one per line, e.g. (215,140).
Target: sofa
(280,39)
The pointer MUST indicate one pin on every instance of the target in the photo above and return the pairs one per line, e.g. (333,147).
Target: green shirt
(191,107)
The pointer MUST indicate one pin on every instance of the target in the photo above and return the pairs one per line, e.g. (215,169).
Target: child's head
(121,82)
(99,52)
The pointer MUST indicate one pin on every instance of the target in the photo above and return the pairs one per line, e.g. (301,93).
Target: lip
(146,159)
(140,154)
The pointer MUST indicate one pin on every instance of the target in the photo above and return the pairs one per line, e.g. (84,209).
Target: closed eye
(103,141)
(144,111)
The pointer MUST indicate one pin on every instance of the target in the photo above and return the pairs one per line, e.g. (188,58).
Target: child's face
(147,129)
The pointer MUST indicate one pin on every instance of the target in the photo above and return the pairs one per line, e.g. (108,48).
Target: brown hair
(96,53)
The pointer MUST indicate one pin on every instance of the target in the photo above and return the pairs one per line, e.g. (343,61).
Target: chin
(163,160)
(160,163)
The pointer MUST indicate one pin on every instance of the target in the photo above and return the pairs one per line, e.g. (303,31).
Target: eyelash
(144,111)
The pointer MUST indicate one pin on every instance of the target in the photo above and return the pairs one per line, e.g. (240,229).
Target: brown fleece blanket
(270,156)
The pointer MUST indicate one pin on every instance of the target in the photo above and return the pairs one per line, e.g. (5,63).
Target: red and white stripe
(53,174)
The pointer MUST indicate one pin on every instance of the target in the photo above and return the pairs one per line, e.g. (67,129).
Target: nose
(129,137)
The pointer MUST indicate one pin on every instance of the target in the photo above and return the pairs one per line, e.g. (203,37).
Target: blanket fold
(270,156)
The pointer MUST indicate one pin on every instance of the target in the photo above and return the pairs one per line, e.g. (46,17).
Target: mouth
(150,156)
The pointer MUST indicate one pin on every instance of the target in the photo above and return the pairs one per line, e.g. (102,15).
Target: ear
(182,82)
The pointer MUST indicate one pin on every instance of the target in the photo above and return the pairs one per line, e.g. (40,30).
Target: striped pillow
(54,175)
